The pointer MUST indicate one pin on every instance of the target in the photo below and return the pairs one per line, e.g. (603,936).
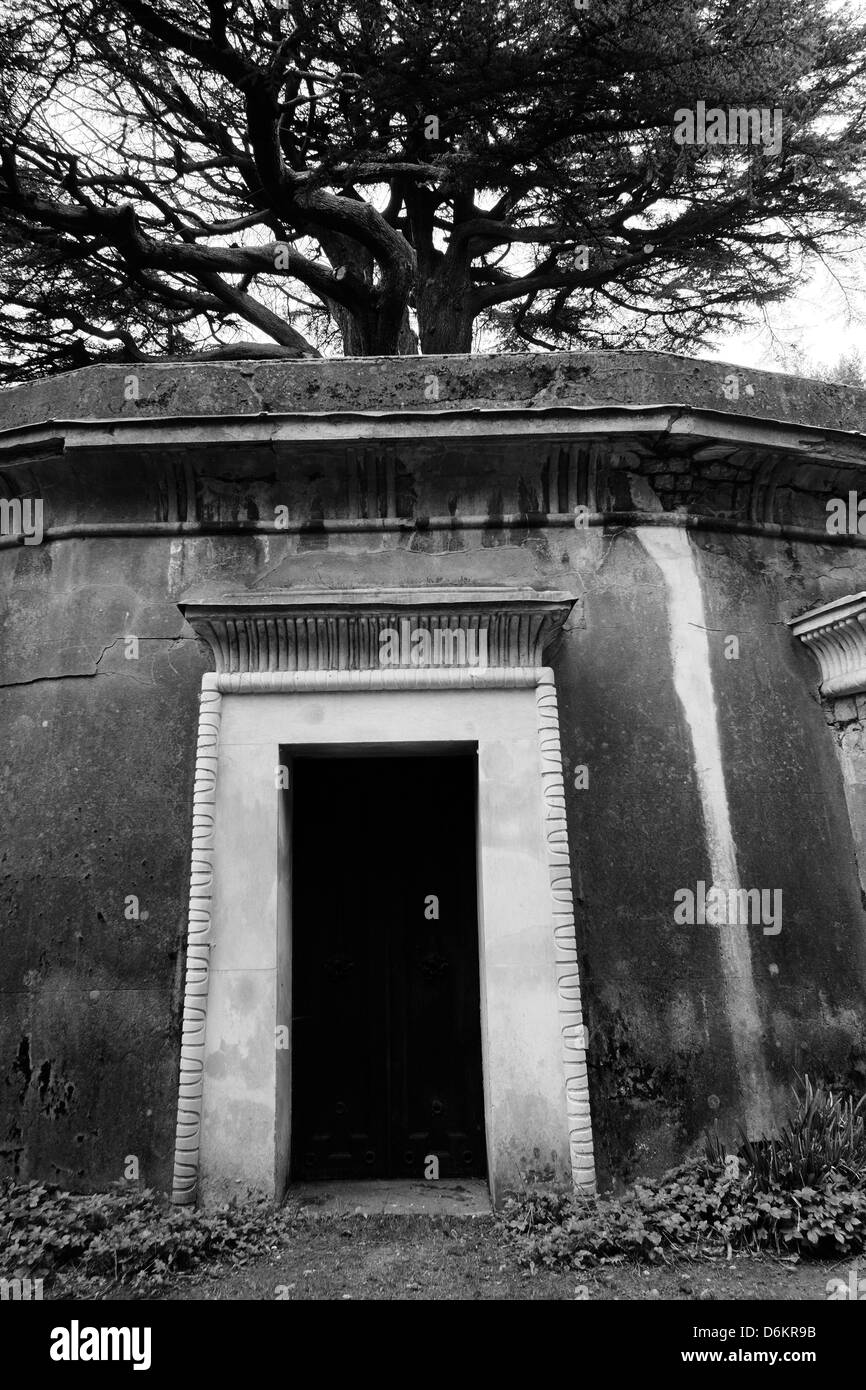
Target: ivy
(132,1237)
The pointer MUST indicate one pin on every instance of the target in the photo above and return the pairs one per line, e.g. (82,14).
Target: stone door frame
(297,673)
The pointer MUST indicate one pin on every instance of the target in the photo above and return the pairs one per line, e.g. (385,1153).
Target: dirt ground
(405,1258)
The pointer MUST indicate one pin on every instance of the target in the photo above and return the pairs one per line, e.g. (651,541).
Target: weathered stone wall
(661,1022)
(96,789)
(97,765)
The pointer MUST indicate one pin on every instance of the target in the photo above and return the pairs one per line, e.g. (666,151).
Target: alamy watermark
(441,646)
(740,125)
(77,1343)
(22,517)
(20,1290)
(846,516)
(854,1289)
(735,907)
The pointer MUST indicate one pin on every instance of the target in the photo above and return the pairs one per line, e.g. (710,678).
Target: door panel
(386,1014)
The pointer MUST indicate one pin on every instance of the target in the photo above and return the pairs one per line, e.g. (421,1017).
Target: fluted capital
(835,634)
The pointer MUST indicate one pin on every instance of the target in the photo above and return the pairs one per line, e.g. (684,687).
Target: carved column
(198,947)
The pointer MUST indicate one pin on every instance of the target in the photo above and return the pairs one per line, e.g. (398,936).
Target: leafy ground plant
(693,1210)
(134,1238)
(802,1192)
(825,1137)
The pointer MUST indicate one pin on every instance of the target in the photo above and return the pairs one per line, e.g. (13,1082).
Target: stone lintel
(381,629)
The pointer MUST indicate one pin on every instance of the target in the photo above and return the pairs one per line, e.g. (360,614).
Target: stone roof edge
(493,381)
(744,429)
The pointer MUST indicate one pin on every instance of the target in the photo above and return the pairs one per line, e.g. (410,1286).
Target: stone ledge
(528,381)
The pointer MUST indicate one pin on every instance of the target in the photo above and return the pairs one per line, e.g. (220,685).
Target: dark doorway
(386,1020)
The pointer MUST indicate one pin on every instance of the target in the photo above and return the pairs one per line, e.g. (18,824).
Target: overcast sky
(825,319)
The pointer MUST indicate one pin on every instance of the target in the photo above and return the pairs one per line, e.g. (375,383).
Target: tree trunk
(381,327)
(444,316)
(375,332)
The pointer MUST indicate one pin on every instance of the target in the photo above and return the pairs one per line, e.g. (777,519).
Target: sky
(823,320)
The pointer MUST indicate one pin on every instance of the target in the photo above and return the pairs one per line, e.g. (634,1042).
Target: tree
(368,173)
(848,370)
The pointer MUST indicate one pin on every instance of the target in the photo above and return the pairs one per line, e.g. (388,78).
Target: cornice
(56,436)
(382,631)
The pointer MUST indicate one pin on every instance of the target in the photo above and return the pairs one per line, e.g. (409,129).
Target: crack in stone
(91,675)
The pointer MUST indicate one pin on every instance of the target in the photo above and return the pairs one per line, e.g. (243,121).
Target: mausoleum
(425,766)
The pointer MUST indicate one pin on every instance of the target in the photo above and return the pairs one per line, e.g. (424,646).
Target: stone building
(451,759)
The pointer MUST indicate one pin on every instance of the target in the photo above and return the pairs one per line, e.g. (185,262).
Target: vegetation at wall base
(800,1193)
(129,1235)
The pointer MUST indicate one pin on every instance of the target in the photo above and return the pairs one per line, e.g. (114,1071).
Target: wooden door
(386,1036)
